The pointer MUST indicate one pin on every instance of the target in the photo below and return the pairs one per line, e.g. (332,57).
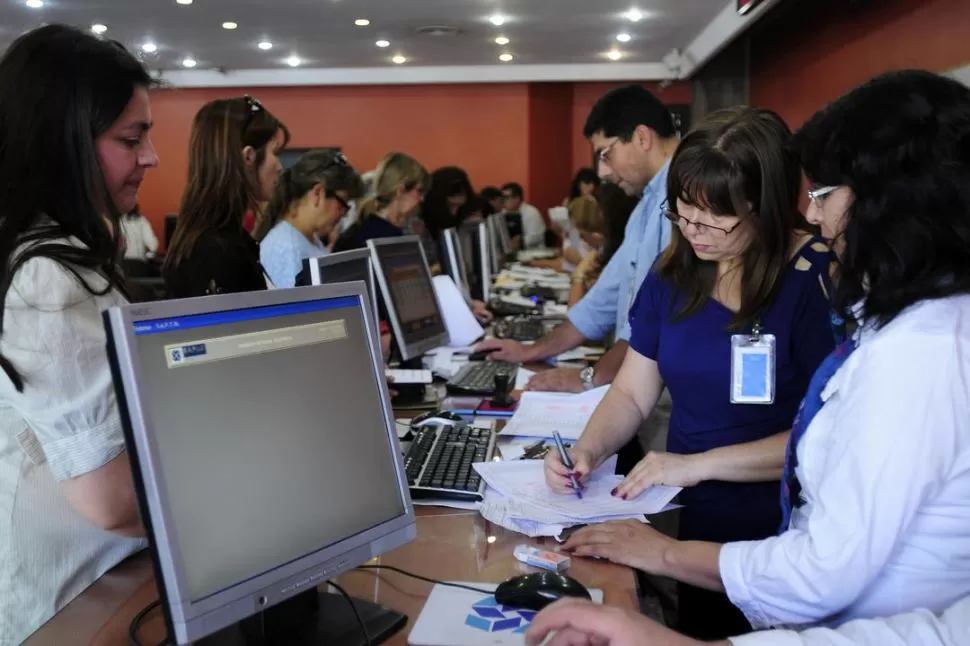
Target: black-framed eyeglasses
(253,107)
(701,227)
(344,204)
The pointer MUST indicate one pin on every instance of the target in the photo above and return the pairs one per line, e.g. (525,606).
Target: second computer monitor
(343,267)
(484,259)
(412,305)
(454,260)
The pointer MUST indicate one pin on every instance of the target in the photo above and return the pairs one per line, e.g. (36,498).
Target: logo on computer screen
(490,616)
(176,355)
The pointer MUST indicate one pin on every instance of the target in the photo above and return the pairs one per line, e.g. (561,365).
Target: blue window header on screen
(178,323)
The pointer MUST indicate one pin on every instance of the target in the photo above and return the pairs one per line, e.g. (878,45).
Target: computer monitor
(251,496)
(454,261)
(343,267)
(484,258)
(494,245)
(502,237)
(412,306)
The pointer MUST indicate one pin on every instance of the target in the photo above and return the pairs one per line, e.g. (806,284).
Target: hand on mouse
(505,350)
(660,467)
(557,475)
(627,542)
(572,622)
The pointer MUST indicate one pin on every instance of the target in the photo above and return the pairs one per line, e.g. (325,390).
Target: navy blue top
(694,358)
(371,228)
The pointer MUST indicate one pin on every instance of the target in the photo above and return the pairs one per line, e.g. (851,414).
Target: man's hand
(557,380)
(505,350)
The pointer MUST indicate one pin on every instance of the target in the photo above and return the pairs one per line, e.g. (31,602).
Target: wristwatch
(586,377)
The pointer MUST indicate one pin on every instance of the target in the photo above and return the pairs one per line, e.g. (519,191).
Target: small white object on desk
(539,414)
(522,378)
(409,376)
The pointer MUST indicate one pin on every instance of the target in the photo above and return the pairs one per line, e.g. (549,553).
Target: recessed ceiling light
(189,62)
(186,2)
(149,48)
(634,15)
(294,61)
(35,4)
(383,43)
(265,45)
(362,22)
(230,25)
(502,40)
(506,58)
(99,28)
(399,60)
(614,55)
(497,19)
(624,37)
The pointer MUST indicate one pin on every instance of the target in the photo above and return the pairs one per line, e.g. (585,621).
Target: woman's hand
(627,542)
(659,467)
(557,475)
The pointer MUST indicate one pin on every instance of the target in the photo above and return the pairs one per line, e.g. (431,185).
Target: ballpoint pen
(567,463)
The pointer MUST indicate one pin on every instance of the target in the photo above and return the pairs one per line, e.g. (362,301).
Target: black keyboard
(479,378)
(501,307)
(520,329)
(439,462)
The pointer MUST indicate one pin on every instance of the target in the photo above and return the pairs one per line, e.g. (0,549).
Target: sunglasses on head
(253,107)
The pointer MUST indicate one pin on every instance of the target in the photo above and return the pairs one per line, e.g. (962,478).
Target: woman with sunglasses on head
(310,201)
(74,123)
(875,487)
(741,286)
(234,167)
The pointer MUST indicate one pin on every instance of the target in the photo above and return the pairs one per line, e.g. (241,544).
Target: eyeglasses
(344,204)
(607,152)
(816,194)
(253,107)
(701,227)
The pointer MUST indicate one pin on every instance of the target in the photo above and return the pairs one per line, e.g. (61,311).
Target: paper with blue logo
(457,617)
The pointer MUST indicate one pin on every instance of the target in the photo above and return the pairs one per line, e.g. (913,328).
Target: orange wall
(812,52)
(550,147)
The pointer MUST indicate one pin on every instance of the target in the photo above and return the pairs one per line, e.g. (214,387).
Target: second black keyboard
(439,462)
(479,378)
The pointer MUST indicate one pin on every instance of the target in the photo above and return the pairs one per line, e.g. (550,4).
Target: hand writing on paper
(577,621)
(659,467)
(557,475)
(627,542)
(557,380)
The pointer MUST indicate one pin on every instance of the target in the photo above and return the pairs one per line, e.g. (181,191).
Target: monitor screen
(239,421)
(343,267)
(405,281)
(454,260)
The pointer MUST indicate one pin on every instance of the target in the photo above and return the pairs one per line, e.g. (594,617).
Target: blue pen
(567,462)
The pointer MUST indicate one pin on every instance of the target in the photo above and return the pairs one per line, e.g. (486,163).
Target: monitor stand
(312,619)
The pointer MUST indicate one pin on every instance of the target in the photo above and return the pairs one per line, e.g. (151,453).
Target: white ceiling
(322,32)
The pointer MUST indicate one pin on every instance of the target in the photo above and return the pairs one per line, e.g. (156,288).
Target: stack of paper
(539,414)
(519,499)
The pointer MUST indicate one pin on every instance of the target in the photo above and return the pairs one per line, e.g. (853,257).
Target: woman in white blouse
(74,122)
(876,492)
(139,238)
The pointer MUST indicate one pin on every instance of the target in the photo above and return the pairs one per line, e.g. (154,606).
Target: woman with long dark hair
(233,169)
(74,122)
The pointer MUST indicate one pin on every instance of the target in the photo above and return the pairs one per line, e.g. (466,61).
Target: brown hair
(219,193)
(395,171)
(736,162)
(586,214)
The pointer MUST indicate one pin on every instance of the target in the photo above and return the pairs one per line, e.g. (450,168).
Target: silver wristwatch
(586,377)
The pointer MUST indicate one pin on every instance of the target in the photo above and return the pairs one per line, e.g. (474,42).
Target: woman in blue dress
(739,266)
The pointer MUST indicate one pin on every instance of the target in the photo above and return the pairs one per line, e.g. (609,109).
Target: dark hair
(617,207)
(60,89)
(901,143)
(515,189)
(219,192)
(735,162)
(490,193)
(583,176)
(445,182)
(474,205)
(328,168)
(621,111)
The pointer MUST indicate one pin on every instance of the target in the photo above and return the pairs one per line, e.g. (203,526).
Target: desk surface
(451,544)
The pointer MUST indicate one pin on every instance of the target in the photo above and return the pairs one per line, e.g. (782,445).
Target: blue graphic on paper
(489,616)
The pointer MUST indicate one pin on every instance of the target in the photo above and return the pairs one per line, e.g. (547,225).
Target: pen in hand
(568,463)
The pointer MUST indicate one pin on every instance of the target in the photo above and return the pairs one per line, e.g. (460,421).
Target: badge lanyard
(753,367)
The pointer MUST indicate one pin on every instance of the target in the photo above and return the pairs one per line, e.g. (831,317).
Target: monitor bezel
(418,349)
(189,620)
(484,242)
(314,264)
(455,259)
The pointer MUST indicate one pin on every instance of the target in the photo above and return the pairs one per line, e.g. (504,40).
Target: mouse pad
(456,617)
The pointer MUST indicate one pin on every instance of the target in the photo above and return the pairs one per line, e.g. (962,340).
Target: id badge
(753,369)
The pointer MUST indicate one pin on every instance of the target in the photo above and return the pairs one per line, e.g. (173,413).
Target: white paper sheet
(463,328)
(451,504)
(522,378)
(539,414)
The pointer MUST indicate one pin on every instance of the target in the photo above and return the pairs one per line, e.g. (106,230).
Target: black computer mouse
(481,355)
(536,591)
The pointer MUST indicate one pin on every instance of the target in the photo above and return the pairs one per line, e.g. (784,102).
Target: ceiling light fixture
(99,29)
(497,19)
(634,15)
(294,61)
(624,37)
(189,62)
(502,40)
(149,48)
(383,43)
(506,58)
(614,55)
(230,25)
(362,22)
(265,45)
(399,60)
(184,2)
(34,4)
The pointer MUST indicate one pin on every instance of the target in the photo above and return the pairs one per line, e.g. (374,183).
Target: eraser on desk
(542,558)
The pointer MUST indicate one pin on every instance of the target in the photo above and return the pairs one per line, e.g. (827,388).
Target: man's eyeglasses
(607,152)
(701,227)
(817,194)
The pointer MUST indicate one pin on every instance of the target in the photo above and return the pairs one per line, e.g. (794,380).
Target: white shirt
(282,251)
(574,241)
(139,237)
(533,227)
(920,628)
(885,475)
(65,424)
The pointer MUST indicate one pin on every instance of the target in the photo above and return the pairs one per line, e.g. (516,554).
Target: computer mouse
(481,355)
(536,591)
(436,417)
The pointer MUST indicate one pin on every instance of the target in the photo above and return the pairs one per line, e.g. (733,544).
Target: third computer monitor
(454,260)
